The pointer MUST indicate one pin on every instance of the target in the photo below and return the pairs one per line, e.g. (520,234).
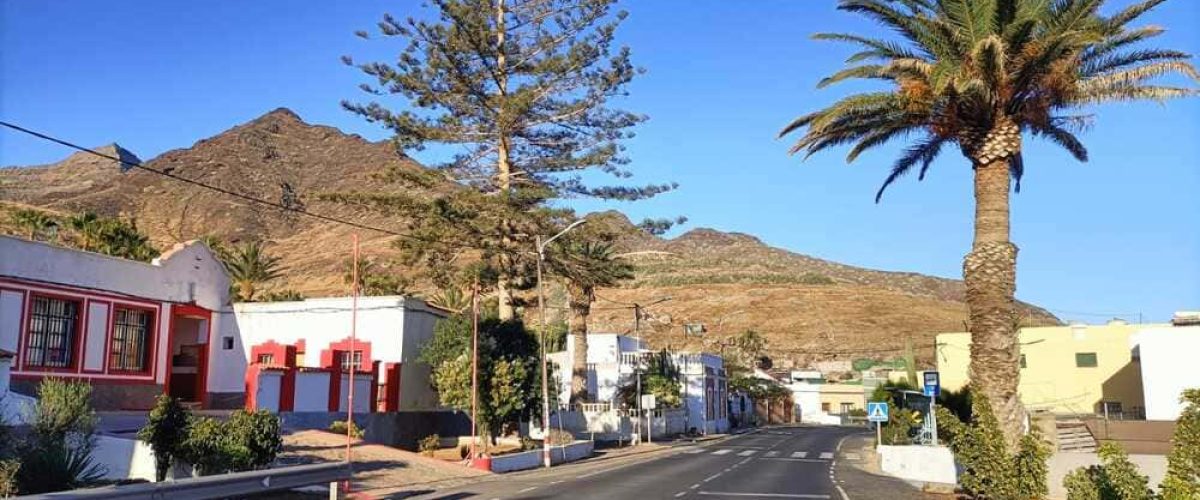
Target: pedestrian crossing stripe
(695,451)
(722,452)
(799,454)
(826,455)
(746,453)
(772,453)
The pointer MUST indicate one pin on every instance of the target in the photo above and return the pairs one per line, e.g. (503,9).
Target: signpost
(648,406)
(933,387)
(877,411)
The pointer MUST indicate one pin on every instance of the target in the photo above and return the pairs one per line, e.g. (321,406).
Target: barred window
(130,341)
(352,361)
(53,329)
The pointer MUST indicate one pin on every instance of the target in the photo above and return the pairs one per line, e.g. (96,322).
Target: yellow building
(1076,369)
(840,399)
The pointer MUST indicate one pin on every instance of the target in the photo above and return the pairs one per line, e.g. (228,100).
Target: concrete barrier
(928,464)
(533,459)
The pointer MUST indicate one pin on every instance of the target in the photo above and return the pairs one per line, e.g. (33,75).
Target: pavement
(799,462)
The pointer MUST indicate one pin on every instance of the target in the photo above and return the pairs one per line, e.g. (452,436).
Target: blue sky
(1118,235)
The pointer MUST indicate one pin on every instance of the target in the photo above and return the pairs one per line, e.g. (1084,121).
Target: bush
(989,469)
(64,408)
(1183,463)
(429,444)
(8,477)
(57,453)
(559,437)
(165,432)
(209,447)
(48,466)
(857,412)
(258,433)
(339,427)
(247,441)
(958,402)
(1116,478)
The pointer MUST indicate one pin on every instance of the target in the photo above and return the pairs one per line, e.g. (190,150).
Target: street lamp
(637,323)
(541,252)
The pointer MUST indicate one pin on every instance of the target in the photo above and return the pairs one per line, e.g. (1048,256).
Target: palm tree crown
(248,265)
(587,265)
(978,73)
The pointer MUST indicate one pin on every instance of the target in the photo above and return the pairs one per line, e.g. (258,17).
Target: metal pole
(474,367)
(353,339)
(545,372)
(932,421)
(637,369)
(878,434)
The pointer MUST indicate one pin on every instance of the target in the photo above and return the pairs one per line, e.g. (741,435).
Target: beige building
(840,399)
(1076,369)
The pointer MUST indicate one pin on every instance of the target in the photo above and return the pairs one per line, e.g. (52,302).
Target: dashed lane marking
(827,455)
(799,454)
(851,456)
(722,452)
(694,451)
(772,453)
(747,453)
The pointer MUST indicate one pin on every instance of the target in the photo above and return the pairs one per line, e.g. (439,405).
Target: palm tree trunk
(580,309)
(989,271)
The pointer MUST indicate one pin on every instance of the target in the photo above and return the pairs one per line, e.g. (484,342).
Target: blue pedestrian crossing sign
(933,385)
(877,411)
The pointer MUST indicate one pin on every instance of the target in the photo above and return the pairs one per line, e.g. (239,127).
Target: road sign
(933,386)
(877,411)
(648,402)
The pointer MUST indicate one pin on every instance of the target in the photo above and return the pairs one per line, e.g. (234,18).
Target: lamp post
(637,367)
(541,253)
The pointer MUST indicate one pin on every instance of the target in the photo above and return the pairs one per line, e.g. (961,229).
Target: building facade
(315,333)
(1166,355)
(134,330)
(1075,369)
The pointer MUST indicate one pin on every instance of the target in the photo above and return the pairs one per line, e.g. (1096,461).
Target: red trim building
(133,329)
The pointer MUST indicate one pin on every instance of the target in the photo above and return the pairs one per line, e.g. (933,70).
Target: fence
(237,484)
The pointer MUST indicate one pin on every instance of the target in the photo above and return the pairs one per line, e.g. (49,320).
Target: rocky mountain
(809,309)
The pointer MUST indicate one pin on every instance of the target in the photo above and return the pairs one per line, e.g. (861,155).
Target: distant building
(612,359)
(1075,369)
(1167,357)
(133,330)
(391,331)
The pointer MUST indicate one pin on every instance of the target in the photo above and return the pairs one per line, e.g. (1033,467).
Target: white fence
(533,459)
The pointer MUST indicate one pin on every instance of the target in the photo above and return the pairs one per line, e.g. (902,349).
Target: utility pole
(541,258)
(637,369)
(474,367)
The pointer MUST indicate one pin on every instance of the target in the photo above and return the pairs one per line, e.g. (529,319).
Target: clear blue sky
(1120,234)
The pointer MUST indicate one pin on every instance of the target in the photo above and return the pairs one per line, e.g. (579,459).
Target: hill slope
(808,308)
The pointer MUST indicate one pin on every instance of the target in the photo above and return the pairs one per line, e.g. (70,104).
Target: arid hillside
(809,309)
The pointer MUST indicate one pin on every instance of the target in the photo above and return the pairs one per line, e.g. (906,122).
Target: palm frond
(1061,137)
(1129,14)
(922,152)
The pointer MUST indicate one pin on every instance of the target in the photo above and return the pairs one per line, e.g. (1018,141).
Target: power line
(228,192)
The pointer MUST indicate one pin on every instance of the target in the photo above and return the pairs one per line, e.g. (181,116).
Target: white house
(612,359)
(132,329)
(1167,355)
(391,331)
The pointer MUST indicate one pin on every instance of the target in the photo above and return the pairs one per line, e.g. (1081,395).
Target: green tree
(661,377)
(1116,478)
(585,266)
(375,279)
(1183,462)
(978,74)
(249,266)
(165,431)
(111,236)
(990,468)
(524,89)
(35,223)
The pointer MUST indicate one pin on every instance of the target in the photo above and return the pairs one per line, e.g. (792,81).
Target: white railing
(595,407)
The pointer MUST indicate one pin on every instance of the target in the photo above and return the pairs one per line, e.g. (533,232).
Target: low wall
(533,459)
(1145,437)
(400,429)
(928,464)
(124,458)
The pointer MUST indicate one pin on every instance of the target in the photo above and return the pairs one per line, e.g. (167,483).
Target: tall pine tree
(520,89)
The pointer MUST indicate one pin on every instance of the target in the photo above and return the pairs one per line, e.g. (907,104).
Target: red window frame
(77,340)
(151,339)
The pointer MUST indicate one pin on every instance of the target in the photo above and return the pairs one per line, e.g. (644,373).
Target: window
(846,407)
(53,328)
(130,347)
(352,361)
(825,407)
(1022,361)
(1085,359)
(266,359)
(227,343)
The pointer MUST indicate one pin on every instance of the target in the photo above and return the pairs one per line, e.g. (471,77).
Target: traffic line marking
(682,493)
(722,452)
(799,454)
(769,495)
(782,459)
(531,488)
(746,453)
(772,453)
(827,455)
(694,451)
(850,456)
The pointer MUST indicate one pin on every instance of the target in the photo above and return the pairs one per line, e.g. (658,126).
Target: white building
(132,329)
(612,359)
(1167,355)
(391,330)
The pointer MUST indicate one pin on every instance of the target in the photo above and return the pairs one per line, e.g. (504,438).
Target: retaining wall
(533,459)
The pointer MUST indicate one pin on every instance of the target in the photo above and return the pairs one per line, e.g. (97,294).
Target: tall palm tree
(36,222)
(585,266)
(88,228)
(978,74)
(249,266)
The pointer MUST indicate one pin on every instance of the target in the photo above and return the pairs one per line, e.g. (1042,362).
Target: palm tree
(978,74)
(36,222)
(87,228)
(584,267)
(249,265)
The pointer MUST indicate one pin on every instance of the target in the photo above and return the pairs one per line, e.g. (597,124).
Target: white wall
(362,394)
(226,367)
(1168,357)
(929,464)
(124,458)
(312,391)
(11,305)
(266,397)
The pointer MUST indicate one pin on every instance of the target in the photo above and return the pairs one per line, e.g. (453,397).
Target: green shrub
(57,453)
(559,437)
(48,466)
(259,434)
(958,402)
(247,441)
(165,432)
(1183,463)
(1116,478)
(339,427)
(8,477)
(429,444)
(64,408)
(990,470)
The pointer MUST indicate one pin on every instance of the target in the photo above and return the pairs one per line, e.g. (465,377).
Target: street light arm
(560,233)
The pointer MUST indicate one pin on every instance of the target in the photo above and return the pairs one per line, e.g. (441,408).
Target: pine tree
(522,89)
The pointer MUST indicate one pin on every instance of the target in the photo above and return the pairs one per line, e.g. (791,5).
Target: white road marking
(694,451)
(767,495)
(850,456)
(682,493)
(782,459)
(799,454)
(827,455)
(843,492)
(772,453)
(722,451)
(710,478)
(694,486)
(746,453)
(531,488)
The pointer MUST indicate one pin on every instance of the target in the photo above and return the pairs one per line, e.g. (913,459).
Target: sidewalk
(862,478)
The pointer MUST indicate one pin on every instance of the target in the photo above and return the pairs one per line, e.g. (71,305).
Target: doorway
(187,357)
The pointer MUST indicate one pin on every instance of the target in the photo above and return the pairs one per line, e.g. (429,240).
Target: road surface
(774,463)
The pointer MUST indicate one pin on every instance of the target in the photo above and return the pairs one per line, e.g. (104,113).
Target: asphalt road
(779,463)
